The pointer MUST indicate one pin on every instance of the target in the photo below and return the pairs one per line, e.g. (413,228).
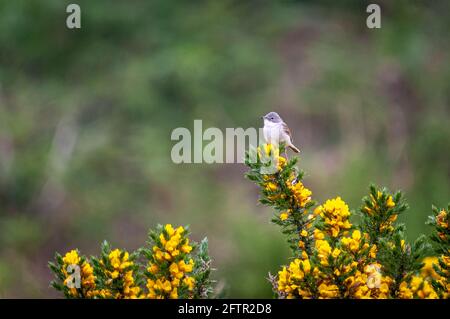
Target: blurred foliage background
(86,117)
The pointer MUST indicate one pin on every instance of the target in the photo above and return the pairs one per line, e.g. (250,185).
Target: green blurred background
(86,117)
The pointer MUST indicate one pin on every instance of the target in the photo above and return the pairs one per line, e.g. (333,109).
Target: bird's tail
(295,149)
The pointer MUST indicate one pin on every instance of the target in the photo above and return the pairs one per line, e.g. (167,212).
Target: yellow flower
(442,222)
(328,291)
(174,294)
(402,244)
(121,263)
(373,251)
(306,266)
(180,230)
(169,229)
(336,252)
(352,242)
(427,269)
(175,271)
(282,278)
(268,150)
(165,285)
(304,255)
(186,248)
(118,261)
(172,243)
(318,234)
(167,256)
(101,293)
(404,291)
(288,278)
(159,255)
(72,258)
(186,267)
(87,275)
(271,187)
(175,282)
(441,217)
(390,202)
(168,265)
(190,282)
(418,287)
(301,194)
(284,216)
(175,253)
(153,268)
(335,214)
(281,162)
(393,218)
(162,239)
(323,250)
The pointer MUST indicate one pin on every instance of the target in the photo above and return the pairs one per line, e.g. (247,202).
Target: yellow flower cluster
(324,251)
(444,280)
(428,268)
(365,284)
(341,266)
(117,275)
(417,287)
(87,279)
(285,215)
(328,290)
(335,214)
(269,153)
(346,267)
(358,284)
(170,265)
(333,258)
(441,279)
(358,242)
(121,265)
(375,207)
(290,279)
(442,222)
(429,273)
(369,283)
(299,196)
(170,268)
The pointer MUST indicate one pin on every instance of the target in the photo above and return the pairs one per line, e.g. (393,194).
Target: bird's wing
(287,131)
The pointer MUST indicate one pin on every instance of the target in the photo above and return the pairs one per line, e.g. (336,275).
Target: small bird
(275,130)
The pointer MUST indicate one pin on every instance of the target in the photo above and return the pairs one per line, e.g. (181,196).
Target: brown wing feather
(287,131)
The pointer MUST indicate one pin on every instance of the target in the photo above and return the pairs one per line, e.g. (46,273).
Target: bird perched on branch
(276,131)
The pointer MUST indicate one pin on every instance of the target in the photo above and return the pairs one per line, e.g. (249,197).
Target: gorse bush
(439,268)
(333,257)
(336,258)
(168,267)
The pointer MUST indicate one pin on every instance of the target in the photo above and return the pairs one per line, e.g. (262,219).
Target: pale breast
(273,132)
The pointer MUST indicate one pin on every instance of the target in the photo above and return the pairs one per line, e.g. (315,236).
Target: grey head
(273,117)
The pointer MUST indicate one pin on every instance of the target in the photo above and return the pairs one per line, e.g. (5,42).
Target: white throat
(268,123)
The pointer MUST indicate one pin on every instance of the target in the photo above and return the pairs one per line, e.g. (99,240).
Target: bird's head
(272,117)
